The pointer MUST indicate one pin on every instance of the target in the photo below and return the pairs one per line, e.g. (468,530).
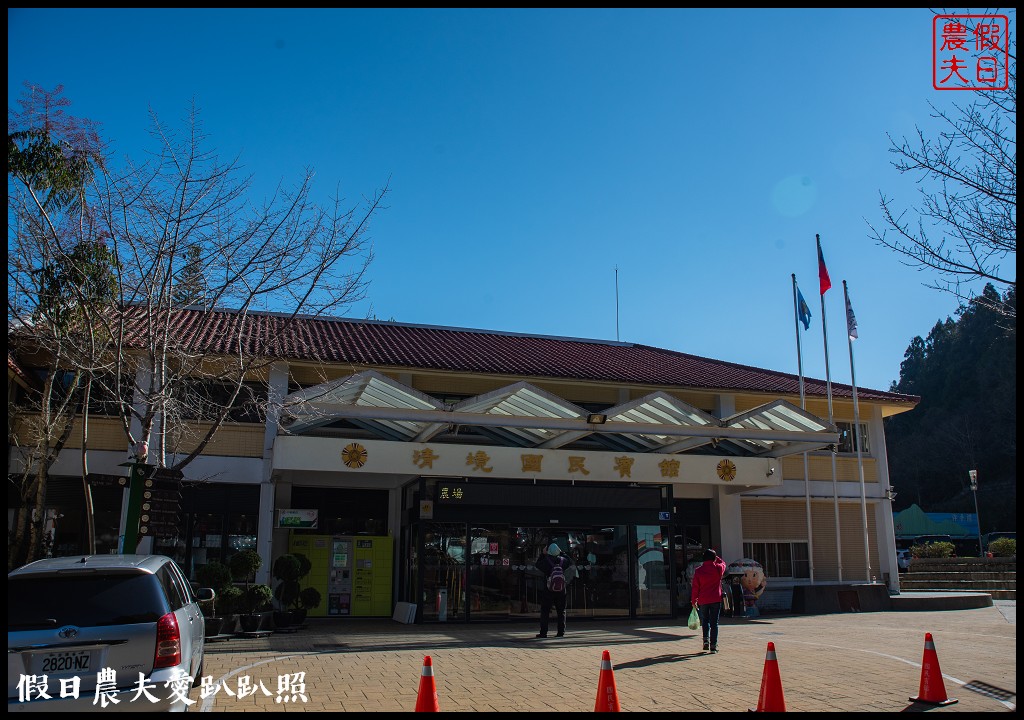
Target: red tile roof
(16,369)
(396,345)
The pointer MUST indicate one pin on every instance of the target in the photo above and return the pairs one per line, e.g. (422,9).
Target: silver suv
(103,632)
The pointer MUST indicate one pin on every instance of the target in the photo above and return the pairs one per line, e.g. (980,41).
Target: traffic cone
(771,698)
(933,690)
(607,695)
(426,700)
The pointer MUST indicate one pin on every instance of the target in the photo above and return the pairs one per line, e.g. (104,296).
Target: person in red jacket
(706,594)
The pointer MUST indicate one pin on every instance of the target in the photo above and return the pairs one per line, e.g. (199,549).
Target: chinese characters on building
(533,463)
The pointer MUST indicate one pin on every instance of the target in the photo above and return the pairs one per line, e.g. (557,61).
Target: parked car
(74,617)
(903,560)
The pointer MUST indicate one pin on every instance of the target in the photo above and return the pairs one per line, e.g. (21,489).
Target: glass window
(848,439)
(37,601)
(780,559)
(175,593)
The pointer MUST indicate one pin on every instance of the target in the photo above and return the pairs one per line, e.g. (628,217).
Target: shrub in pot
(244,566)
(257,599)
(309,599)
(217,576)
(230,602)
(289,570)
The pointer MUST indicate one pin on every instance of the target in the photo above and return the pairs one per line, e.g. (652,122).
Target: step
(952,575)
(980,564)
(957,591)
(952,585)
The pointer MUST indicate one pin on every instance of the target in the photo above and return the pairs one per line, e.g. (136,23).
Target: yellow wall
(819,467)
(231,440)
(786,520)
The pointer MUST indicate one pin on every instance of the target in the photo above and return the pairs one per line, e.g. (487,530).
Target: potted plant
(217,576)
(259,598)
(230,603)
(244,566)
(309,599)
(289,570)
(286,571)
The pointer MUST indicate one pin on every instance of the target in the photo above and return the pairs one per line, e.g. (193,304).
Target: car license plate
(65,662)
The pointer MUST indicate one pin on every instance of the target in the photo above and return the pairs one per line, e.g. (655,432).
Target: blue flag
(803,312)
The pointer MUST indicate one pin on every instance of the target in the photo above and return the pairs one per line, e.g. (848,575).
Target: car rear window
(83,600)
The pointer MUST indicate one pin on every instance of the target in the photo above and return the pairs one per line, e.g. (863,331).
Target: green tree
(191,285)
(60,273)
(965,374)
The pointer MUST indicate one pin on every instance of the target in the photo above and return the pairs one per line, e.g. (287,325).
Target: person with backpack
(706,594)
(557,570)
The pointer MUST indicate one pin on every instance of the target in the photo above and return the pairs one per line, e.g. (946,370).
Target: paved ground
(841,662)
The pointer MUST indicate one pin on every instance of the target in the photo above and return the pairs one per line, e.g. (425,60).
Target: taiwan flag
(823,278)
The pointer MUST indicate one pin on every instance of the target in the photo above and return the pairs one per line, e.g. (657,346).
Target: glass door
(444,572)
(653,571)
(491,577)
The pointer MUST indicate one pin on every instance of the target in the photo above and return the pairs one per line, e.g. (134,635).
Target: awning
(522,415)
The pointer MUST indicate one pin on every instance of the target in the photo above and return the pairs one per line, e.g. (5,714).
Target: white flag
(851,320)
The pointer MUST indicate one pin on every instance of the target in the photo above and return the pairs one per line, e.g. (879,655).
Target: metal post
(974,489)
(137,484)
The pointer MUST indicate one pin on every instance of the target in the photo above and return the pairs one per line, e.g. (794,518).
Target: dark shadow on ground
(656,660)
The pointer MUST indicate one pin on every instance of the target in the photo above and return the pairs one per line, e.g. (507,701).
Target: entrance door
(653,571)
(601,554)
(488,571)
(491,575)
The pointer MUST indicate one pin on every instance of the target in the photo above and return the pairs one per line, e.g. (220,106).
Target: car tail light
(168,642)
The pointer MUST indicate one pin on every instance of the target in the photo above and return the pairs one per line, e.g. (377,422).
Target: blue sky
(532,152)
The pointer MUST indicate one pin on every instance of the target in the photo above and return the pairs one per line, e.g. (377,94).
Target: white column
(883,517)
(725,405)
(277,389)
(726,513)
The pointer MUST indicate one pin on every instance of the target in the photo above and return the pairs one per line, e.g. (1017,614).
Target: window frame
(848,437)
(773,569)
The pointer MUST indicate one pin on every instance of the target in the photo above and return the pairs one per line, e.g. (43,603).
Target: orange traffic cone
(932,691)
(607,695)
(426,700)
(771,698)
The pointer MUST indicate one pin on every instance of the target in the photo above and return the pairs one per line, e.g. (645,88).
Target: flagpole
(803,406)
(851,330)
(831,418)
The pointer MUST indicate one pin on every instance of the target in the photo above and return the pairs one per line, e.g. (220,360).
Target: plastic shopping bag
(694,619)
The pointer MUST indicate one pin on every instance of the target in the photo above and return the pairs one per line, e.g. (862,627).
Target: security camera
(771,471)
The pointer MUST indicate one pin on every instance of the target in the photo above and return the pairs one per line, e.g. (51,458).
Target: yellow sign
(727,470)
(354,455)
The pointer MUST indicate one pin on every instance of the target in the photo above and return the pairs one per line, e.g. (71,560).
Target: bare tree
(964,227)
(58,273)
(182,226)
(190,257)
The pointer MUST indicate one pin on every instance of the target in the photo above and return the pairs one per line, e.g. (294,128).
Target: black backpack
(556,580)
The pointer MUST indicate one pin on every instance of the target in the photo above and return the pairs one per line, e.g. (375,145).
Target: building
(431,464)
